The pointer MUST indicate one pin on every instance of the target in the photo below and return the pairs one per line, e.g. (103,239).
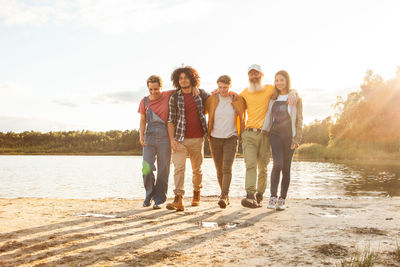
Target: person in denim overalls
(284,125)
(155,142)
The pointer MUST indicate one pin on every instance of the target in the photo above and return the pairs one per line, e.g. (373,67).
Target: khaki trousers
(193,146)
(256,152)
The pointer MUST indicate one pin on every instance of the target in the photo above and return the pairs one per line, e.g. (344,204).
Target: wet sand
(323,232)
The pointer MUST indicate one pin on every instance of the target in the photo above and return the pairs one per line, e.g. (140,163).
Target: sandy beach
(323,232)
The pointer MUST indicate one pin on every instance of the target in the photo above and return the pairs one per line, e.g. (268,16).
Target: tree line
(74,142)
(366,124)
(65,142)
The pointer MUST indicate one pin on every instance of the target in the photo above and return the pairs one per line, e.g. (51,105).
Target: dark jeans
(158,147)
(223,151)
(282,156)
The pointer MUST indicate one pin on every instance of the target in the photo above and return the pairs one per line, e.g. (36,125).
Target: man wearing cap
(256,147)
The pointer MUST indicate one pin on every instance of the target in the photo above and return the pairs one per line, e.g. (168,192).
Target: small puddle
(209,224)
(331,215)
(96,215)
(216,224)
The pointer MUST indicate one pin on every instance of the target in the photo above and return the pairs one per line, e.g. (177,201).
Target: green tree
(317,132)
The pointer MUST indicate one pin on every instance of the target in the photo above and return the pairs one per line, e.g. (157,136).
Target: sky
(83,64)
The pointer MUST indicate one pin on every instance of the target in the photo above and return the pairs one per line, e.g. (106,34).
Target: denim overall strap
(151,117)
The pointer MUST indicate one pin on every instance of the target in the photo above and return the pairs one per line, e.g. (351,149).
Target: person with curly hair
(186,127)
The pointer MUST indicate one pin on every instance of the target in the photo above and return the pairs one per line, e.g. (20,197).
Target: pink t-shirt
(159,106)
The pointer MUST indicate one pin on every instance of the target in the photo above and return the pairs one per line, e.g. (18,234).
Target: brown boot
(177,204)
(250,202)
(223,201)
(196,198)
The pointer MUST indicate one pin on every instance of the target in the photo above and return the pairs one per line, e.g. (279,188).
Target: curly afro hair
(190,72)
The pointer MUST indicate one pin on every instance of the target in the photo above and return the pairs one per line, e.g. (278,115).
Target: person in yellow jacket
(225,124)
(256,147)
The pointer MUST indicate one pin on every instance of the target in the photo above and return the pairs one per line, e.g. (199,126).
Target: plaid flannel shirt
(176,114)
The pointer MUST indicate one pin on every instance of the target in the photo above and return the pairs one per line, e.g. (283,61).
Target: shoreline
(207,198)
(376,162)
(74,154)
(108,232)
(372,161)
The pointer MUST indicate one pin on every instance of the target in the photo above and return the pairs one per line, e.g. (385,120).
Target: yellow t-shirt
(257,105)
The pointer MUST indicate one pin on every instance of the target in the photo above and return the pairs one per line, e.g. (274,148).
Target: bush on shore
(343,151)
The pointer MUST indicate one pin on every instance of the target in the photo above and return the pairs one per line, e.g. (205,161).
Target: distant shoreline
(376,162)
(372,161)
(117,153)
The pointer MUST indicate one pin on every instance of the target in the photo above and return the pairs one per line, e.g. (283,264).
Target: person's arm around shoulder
(204,95)
(293,97)
(233,94)
(299,125)
(268,118)
(195,91)
(169,92)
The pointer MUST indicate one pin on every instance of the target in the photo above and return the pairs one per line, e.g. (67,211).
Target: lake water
(92,177)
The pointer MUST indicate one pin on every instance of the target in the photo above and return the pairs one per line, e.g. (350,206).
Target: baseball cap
(255,67)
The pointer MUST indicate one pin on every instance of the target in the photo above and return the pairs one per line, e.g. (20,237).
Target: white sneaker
(157,206)
(281,204)
(272,203)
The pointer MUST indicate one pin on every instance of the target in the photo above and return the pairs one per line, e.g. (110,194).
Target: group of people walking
(173,125)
